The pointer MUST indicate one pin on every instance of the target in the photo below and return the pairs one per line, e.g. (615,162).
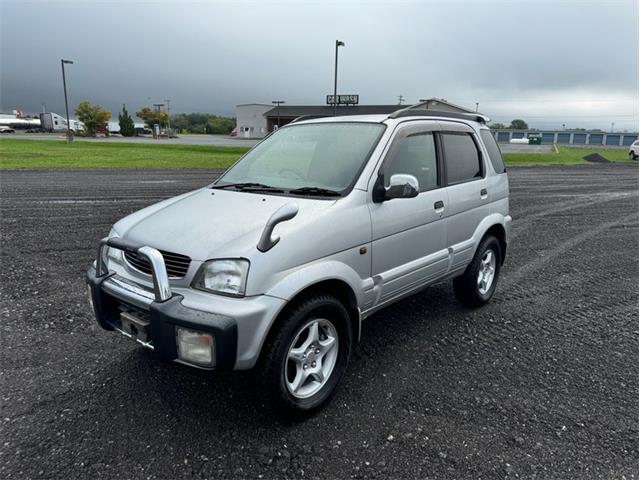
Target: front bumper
(238,325)
(163,318)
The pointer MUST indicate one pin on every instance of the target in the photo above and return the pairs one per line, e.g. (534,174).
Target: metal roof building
(255,120)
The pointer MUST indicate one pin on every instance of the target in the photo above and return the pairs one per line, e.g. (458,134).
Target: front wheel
(306,356)
(632,156)
(476,285)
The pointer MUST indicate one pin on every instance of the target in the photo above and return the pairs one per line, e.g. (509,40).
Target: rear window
(462,157)
(494,151)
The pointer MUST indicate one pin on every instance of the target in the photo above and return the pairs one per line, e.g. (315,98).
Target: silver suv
(277,263)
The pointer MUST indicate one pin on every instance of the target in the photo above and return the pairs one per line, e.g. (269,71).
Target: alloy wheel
(311,358)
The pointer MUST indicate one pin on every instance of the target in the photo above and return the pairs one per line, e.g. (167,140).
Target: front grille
(177,265)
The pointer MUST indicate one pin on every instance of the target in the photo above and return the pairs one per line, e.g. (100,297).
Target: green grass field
(17,154)
(45,155)
(565,156)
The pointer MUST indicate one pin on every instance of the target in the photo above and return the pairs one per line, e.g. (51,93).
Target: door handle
(439,205)
(483,192)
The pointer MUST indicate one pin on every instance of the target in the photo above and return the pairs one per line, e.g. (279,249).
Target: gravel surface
(541,383)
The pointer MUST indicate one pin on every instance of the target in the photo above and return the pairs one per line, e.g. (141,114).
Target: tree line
(96,118)
(517,124)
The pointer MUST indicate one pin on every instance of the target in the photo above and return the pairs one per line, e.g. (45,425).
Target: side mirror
(402,186)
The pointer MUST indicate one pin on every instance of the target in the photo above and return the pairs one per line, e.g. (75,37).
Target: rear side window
(414,155)
(494,151)
(462,157)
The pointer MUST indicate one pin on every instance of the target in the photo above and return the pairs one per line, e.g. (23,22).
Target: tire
(468,288)
(279,369)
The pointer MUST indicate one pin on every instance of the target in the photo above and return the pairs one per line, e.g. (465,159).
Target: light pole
(335,79)
(477,104)
(277,103)
(612,125)
(66,102)
(168,116)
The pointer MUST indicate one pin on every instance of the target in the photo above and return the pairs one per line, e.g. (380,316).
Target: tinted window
(494,151)
(462,157)
(414,155)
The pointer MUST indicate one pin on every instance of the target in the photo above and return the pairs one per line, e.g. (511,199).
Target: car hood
(213,223)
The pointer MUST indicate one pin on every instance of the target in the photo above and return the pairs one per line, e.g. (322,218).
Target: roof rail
(307,117)
(411,111)
(397,113)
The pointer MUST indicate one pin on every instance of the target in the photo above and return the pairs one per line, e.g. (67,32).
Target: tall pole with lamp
(66,101)
(277,103)
(335,79)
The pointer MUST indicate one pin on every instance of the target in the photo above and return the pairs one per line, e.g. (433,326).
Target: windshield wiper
(317,191)
(251,187)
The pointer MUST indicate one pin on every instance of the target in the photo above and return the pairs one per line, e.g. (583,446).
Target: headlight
(112,254)
(227,276)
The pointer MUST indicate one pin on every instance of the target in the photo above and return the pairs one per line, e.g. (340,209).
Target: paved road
(541,383)
(212,140)
(516,148)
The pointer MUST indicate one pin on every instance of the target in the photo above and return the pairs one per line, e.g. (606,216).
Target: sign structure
(343,99)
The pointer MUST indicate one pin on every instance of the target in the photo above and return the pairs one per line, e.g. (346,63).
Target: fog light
(195,347)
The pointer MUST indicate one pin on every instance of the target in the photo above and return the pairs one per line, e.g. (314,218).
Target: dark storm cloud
(556,62)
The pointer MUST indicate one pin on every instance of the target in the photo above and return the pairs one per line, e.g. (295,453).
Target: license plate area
(135,327)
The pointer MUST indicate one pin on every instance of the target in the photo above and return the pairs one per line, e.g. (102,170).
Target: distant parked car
(633,151)
(234,132)
(5,129)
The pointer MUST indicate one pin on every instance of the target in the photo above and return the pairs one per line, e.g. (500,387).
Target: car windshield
(313,158)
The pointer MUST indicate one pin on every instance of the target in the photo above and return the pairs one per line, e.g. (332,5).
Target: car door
(467,189)
(409,241)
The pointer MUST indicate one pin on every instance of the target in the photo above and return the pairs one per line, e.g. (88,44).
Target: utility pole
(66,102)
(277,103)
(335,79)
(158,107)
(168,116)
(400,99)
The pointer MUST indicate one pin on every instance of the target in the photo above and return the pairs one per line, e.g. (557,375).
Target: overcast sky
(549,62)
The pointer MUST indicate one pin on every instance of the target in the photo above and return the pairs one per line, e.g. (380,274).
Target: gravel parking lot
(541,383)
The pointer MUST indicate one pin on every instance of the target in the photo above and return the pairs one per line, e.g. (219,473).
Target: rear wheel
(306,356)
(476,285)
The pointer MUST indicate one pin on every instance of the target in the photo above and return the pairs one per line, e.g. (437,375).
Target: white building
(251,121)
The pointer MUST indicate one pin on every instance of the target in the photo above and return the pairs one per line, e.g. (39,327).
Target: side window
(414,155)
(462,157)
(494,151)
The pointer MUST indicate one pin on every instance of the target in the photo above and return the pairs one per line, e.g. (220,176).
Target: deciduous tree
(94,117)
(519,124)
(152,117)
